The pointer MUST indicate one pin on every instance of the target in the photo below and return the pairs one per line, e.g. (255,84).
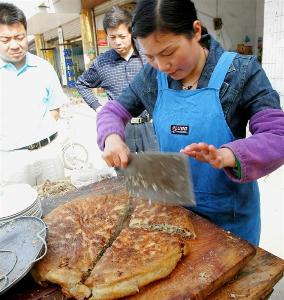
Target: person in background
(201,98)
(113,71)
(30,98)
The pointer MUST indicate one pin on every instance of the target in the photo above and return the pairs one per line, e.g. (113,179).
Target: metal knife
(160,177)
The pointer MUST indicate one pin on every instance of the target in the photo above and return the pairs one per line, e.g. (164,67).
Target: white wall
(99,22)
(239,20)
(259,23)
(273,44)
(65,6)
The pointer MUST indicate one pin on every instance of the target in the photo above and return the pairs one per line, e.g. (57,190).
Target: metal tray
(22,243)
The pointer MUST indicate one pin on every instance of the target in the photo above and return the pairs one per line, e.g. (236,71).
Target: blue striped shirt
(111,72)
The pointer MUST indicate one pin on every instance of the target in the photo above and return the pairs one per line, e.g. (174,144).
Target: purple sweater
(259,154)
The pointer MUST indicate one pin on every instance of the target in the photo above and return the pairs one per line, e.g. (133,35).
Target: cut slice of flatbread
(78,234)
(136,258)
(167,218)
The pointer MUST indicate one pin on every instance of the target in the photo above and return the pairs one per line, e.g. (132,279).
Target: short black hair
(11,14)
(176,16)
(117,16)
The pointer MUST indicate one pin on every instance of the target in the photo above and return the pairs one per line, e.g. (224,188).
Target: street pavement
(83,130)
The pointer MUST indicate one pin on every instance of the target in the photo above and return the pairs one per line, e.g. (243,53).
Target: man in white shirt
(30,98)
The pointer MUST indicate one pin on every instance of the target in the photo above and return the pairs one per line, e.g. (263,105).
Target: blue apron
(182,117)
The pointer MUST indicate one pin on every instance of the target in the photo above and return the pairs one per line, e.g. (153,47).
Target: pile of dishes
(22,233)
(18,200)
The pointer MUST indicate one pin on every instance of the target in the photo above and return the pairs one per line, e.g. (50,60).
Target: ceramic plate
(22,241)
(12,204)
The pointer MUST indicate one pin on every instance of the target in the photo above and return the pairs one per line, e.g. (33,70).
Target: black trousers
(141,137)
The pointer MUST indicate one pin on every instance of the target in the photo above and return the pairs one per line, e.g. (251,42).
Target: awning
(43,22)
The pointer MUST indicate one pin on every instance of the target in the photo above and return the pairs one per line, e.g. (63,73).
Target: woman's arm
(87,81)
(111,119)
(248,159)
(263,152)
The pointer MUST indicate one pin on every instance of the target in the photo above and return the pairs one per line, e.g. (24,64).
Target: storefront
(237,25)
(64,51)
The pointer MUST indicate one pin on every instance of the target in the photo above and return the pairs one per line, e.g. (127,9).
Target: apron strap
(221,69)
(162,81)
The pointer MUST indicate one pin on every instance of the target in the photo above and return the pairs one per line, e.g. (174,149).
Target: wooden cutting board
(255,281)
(215,257)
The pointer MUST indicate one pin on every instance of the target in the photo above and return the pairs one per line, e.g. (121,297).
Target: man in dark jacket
(113,71)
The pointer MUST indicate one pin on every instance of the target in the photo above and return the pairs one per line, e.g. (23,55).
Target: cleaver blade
(160,177)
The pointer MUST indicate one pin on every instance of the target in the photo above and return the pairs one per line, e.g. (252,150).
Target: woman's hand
(116,152)
(217,158)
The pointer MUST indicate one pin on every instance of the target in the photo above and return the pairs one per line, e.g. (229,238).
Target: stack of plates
(18,200)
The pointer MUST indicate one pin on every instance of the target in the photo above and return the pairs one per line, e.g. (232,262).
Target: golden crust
(136,258)
(78,233)
(79,239)
(167,218)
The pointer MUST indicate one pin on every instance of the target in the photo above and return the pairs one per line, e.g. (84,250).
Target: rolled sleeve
(263,152)
(111,119)
(86,82)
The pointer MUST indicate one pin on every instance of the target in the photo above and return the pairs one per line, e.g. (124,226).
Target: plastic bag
(88,175)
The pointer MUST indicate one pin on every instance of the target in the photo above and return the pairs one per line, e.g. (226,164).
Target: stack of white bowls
(18,200)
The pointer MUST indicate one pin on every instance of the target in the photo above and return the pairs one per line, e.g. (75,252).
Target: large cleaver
(160,177)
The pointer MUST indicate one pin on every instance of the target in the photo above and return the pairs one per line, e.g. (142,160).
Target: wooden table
(255,281)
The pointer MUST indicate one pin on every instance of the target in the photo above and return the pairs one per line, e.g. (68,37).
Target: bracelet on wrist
(237,170)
